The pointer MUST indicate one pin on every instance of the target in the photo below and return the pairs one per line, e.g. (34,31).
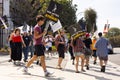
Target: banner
(55,26)
(53,11)
(78,34)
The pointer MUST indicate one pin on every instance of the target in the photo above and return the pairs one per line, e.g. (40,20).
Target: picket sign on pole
(3,23)
(55,26)
(46,28)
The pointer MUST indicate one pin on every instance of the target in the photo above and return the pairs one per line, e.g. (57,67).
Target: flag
(106,28)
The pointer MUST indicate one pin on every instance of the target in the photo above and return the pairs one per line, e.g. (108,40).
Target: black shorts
(39,50)
(94,53)
(61,51)
(50,49)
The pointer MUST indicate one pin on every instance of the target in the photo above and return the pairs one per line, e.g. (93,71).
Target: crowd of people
(35,43)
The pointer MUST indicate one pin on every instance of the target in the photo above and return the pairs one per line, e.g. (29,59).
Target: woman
(78,46)
(60,44)
(70,48)
(17,46)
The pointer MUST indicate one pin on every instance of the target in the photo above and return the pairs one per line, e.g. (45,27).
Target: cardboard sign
(55,26)
(53,11)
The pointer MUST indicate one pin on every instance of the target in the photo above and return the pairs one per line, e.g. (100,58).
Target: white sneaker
(25,70)
(47,74)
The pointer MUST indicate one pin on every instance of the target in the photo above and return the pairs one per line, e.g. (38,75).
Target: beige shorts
(78,53)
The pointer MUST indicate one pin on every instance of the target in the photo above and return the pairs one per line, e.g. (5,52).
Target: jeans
(31,50)
(25,51)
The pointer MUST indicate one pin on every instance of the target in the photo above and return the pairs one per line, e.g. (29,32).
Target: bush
(115,41)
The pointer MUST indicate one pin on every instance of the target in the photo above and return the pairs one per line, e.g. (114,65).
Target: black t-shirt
(88,42)
(26,40)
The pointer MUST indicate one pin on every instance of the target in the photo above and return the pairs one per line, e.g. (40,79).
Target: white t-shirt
(48,42)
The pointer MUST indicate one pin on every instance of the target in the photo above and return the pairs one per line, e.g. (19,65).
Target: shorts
(105,58)
(61,52)
(39,50)
(78,53)
(94,53)
(50,49)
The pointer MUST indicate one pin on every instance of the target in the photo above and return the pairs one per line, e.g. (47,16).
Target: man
(39,47)
(27,42)
(94,49)
(31,50)
(48,45)
(102,51)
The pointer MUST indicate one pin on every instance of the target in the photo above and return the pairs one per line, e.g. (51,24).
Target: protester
(38,43)
(17,46)
(88,43)
(94,49)
(78,47)
(31,48)
(10,43)
(102,51)
(28,42)
(48,45)
(70,48)
(60,45)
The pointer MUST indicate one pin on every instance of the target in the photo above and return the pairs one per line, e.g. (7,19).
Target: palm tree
(90,16)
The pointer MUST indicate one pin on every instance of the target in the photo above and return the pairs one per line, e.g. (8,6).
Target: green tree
(90,16)
(24,11)
(113,32)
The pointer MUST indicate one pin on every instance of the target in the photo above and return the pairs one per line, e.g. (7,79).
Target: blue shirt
(101,46)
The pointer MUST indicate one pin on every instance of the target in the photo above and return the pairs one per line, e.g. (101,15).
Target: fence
(4,33)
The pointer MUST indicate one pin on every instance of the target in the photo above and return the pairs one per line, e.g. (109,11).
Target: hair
(40,18)
(100,34)
(17,30)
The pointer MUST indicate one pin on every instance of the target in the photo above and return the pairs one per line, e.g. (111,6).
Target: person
(102,51)
(60,45)
(38,44)
(10,43)
(78,47)
(94,49)
(31,49)
(70,48)
(48,45)
(27,41)
(88,43)
(17,41)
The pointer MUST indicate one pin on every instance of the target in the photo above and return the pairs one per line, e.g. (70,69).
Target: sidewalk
(10,72)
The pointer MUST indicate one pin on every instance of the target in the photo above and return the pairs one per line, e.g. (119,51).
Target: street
(8,71)
(114,58)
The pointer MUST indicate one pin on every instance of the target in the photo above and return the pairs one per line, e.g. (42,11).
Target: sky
(106,10)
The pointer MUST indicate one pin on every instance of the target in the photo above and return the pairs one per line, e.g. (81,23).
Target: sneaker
(94,62)
(59,67)
(10,60)
(83,70)
(77,72)
(47,74)
(25,70)
(87,67)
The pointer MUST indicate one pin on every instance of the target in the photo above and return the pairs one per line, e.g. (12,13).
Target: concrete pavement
(10,72)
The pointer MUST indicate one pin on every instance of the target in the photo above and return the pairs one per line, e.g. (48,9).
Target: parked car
(110,49)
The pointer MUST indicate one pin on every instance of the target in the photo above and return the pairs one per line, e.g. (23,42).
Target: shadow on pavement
(97,77)
(48,78)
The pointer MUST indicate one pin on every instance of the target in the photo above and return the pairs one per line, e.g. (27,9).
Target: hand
(45,32)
